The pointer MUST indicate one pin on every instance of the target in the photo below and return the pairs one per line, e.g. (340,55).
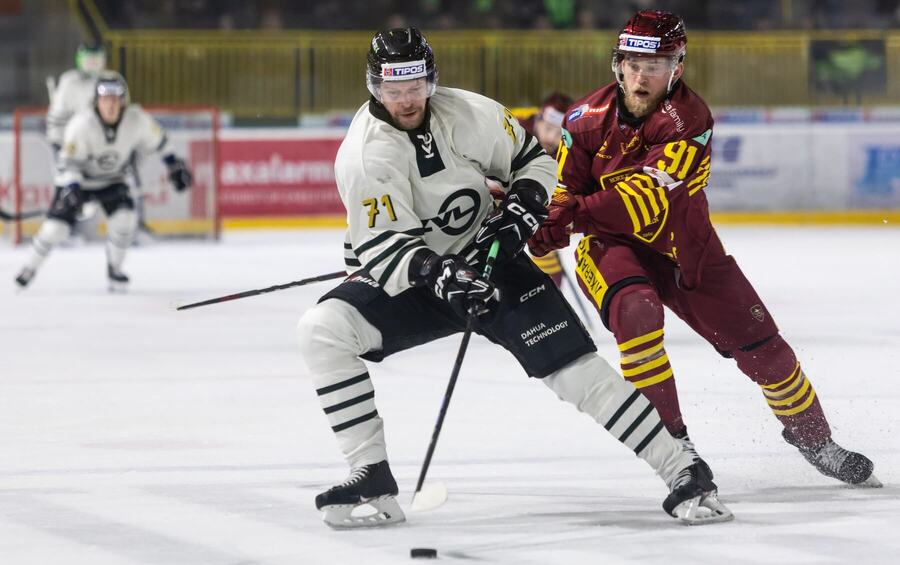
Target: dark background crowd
(493,14)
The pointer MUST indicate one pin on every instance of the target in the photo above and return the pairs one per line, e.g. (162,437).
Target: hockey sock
(636,320)
(52,232)
(595,389)
(788,392)
(122,226)
(332,335)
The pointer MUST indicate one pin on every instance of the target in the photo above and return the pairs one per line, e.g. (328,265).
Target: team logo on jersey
(428,158)
(108,161)
(633,144)
(586,110)
(758,312)
(602,151)
(457,213)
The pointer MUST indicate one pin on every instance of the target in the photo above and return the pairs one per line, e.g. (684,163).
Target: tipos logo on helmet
(638,43)
(403,71)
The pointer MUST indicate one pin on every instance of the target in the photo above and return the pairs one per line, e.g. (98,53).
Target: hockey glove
(517,219)
(68,201)
(556,230)
(179,175)
(451,279)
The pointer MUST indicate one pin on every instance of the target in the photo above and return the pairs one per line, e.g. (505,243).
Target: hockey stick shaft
(4,215)
(454,375)
(256,292)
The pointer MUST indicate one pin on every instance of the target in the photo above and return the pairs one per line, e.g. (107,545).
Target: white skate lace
(683,478)
(356,474)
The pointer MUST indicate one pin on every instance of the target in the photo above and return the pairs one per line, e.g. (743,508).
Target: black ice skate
(694,497)
(24,277)
(834,461)
(370,484)
(118,281)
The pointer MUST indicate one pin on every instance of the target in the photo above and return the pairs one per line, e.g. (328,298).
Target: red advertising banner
(278,177)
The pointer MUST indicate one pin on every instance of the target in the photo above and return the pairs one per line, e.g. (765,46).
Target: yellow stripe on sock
(654,379)
(778,384)
(642,354)
(792,398)
(640,340)
(798,409)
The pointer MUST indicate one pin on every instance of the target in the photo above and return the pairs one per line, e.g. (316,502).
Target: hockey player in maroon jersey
(633,162)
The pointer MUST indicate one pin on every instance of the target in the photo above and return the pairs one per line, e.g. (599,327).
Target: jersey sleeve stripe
(388,252)
(533,154)
(375,241)
(411,247)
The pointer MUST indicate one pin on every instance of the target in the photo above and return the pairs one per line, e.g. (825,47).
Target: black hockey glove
(515,220)
(451,279)
(68,201)
(179,175)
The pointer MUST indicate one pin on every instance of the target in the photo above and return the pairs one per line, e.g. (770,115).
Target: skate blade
(431,496)
(117,288)
(871,482)
(385,511)
(702,510)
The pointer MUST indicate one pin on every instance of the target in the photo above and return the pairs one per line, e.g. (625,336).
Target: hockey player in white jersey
(74,91)
(97,146)
(411,173)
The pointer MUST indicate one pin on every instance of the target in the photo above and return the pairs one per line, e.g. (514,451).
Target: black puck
(423,553)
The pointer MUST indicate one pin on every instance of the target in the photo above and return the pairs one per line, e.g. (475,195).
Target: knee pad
(335,327)
(52,231)
(766,362)
(121,226)
(635,310)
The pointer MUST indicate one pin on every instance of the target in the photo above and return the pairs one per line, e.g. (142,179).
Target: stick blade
(432,495)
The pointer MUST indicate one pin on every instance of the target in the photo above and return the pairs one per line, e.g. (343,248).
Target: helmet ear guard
(397,55)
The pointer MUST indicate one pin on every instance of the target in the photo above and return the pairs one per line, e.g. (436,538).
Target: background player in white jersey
(411,173)
(97,148)
(74,91)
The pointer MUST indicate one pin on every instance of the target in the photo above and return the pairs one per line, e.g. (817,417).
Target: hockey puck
(423,553)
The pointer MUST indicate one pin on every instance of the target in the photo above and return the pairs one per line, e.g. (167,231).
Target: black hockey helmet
(111,83)
(399,54)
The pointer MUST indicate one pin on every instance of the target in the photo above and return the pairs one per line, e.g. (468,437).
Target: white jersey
(74,93)
(96,155)
(408,190)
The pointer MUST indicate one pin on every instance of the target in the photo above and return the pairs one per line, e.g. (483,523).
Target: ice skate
(118,281)
(24,277)
(834,461)
(694,497)
(371,485)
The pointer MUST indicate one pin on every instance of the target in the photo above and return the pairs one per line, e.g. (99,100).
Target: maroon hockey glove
(556,229)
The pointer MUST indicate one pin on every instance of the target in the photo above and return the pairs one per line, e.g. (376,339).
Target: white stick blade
(430,497)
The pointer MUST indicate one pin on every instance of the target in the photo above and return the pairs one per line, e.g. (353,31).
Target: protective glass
(647,66)
(110,89)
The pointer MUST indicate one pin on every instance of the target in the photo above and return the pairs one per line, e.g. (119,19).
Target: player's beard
(642,106)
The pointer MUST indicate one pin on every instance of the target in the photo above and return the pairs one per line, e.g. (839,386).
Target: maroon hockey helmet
(653,32)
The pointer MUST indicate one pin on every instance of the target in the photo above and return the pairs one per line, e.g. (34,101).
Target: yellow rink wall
(861,218)
(284,74)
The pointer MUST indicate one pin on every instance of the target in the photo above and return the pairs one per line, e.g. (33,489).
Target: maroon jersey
(642,179)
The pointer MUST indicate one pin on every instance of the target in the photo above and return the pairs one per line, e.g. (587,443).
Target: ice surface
(134,434)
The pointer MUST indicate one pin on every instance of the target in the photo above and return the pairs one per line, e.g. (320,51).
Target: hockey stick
(435,494)
(246,293)
(20,215)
